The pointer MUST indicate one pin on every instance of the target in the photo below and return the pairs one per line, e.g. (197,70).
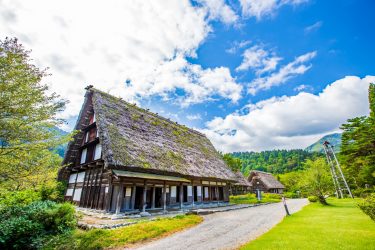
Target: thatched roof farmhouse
(265,182)
(127,158)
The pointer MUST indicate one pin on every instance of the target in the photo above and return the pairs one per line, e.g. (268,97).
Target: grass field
(106,238)
(341,225)
(251,199)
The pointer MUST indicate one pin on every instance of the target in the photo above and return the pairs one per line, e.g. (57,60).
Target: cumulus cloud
(128,48)
(302,87)
(291,121)
(259,59)
(296,67)
(218,10)
(264,8)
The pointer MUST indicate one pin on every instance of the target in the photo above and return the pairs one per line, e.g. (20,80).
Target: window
(72,178)
(77,194)
(69,192)
(173,191)
(98,151)
(87,137)
(83,156)
(80,177)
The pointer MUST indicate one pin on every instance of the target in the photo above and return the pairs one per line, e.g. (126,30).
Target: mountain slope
(334,139)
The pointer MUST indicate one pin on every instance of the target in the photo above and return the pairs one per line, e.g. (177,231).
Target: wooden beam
(75,184)
(192,191)
(181,195)
(153,197)
(144,204)
(165,197)
(120,196)
(109,194)
(133,196)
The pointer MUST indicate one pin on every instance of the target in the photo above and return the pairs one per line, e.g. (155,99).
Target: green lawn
(341,225)
(251,198)
(125,236)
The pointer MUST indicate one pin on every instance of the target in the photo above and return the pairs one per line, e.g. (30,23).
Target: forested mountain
(274,161)
(334,139)
(60,149)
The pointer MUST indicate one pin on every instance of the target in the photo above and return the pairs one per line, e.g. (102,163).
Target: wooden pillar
(144,197)
(100,187)
(192,190)
(88,189)
(209,192)
(120,197)
(165,197)
(94,189)
(133,196)
(217,193)
(109,194)
(181,195)
(153,197)
(202,193)
(74,188)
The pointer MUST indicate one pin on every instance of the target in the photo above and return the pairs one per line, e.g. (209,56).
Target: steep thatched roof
(267,178)
(134,138)
(241,180)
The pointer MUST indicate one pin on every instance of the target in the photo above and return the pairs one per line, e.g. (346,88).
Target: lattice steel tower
(338,177)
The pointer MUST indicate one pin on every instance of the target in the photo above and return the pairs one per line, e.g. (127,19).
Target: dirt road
(227,230)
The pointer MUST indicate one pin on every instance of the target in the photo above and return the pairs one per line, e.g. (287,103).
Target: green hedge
(368,206)
(312,198)
(28,226)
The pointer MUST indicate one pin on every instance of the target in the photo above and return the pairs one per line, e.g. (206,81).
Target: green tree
(234,164)
(27,118)
(358,147)
(317,180)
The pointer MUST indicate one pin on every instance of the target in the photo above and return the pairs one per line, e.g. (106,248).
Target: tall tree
(316,179)
(358,147)
(27,118)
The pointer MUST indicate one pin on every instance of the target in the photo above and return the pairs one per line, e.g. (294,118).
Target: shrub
(26,227)
(312,198)
(291,195)
(20,198)
(368,206)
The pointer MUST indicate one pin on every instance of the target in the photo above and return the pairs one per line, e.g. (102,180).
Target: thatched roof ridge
(134,138)
(267,178)
(241,179)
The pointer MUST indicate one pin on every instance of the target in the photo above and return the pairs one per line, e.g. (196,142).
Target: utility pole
(339,180)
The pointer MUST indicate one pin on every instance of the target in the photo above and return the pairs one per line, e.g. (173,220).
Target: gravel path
(228,230)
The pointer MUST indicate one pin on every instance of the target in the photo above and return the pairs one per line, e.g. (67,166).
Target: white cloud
(302,87)
(259,59)
(237,45)
(218,10)
(291,122)
(314,27)
(264,8)
(107,43)
(194,117)
(297,67)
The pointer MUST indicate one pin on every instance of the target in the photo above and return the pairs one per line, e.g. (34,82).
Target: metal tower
(338,177)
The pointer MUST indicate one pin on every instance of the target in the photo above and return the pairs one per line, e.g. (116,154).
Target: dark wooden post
(165,197)
(144,197)
(181,195)
(74,188)
(192,190)
(133,196)
(217,193)
(109,194)
(202,193)
(100,187)
(209,192)
(153,197)
(120,197)
(94,189)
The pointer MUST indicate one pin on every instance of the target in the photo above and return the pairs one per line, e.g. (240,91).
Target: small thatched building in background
(242,185)
(125,158)
(265,182)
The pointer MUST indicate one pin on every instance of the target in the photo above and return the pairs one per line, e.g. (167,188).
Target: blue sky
(251,74)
